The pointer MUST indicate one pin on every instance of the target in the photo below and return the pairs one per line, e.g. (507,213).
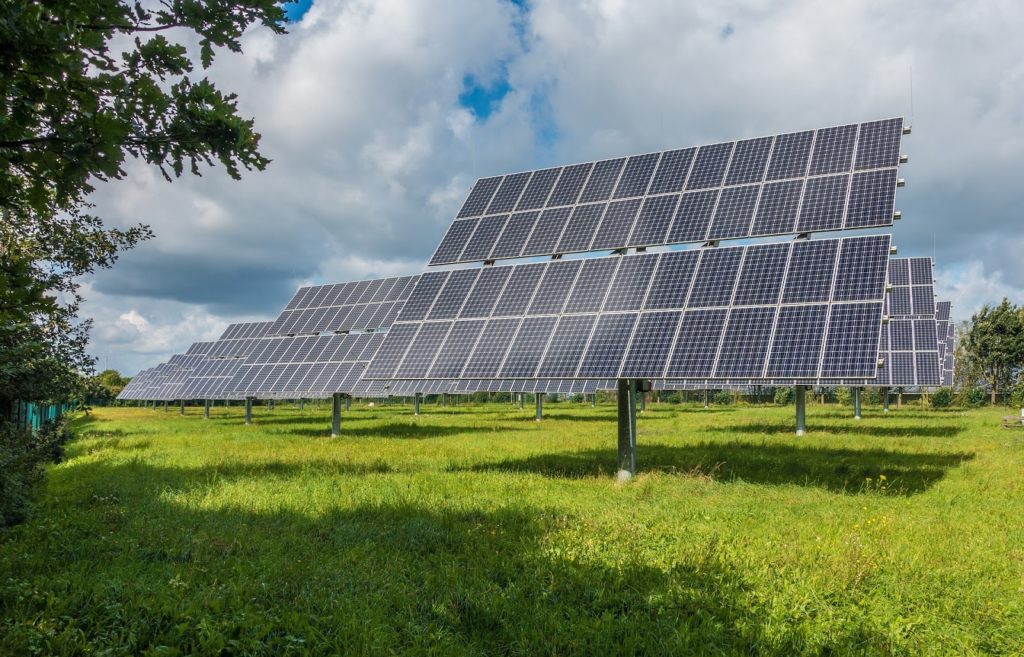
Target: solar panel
(818,180)
(913,358)
(356,306)
(744,312)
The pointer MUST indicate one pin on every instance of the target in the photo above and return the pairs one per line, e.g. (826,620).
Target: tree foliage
(994,344)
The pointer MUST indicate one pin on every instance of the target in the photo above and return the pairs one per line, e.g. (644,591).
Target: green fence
(31,416)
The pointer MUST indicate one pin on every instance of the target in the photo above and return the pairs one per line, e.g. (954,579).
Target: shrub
(941,398)
(844,396)
(784,396)
(22,455)
(974,397)
(724,397)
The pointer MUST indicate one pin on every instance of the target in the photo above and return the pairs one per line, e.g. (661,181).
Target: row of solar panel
(298,378)
(797,206)
(343,318)
(841,149)
(317,349)
(246,330)
(343,294)
(910,300)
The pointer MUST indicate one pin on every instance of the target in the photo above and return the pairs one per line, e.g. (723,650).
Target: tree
(86,85)
(995,344)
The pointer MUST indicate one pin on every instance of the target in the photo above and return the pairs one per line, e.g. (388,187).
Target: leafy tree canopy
(995,344)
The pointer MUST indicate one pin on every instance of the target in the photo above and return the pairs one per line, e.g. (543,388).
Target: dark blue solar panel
(451,358)
(899,271)
(602,180)
(899,301)
(833,150)
(567,344)
(921,271)
(581,228)
(392,351)
(749,161)
(519,290)
(709,167)
(537,192)
(735,212)
(655,218)
(879,144)
(569,184)
(760,281)
(423,295)
(693,217)
(700,333)
(745,346)
(924,329)
(790,155)
(651,344)
(382,291)
(824,203)
(591,285)
(554,287)
(672,280)
(902,369)
(423,350)
(480,197)
(637,175)
(872,199)
(527,348)
(454,294)
(483,239)
(607,346)
(508,194)
(616,225)
(491,347)
(796,349)
(370,291)
(851,348)
(776,211)
(454,241)
(629,288)
(672,171)
(514,237)
(486,291)
(716,277)
(927,369)
(547,231)
(811,269)
(922,298)
(863,263)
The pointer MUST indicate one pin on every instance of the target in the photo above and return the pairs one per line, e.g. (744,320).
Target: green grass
(476,530)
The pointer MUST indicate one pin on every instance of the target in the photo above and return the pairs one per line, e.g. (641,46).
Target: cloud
(373,114)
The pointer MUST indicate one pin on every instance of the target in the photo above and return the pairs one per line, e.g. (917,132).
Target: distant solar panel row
(913,292)
(796,309)
(246,330)
(818,180)
(348,294)
(357,306)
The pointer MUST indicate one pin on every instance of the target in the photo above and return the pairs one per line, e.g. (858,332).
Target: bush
(941,398)
(974,397)
(724,397)
(22,455)
(784,396)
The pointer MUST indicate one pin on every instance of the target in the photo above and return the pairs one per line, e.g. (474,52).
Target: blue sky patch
(294,11)
(480,99)
(727,31)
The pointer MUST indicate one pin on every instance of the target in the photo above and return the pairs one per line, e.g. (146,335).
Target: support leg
(336,415)
(856,403)
(248,410)
(302,403)
(540,405)
(206,409)
(521,395)
(165,406)
(705,399)
(627,429)
(348,403)
(885,400)
(416,404)
(801,420)
(593,398)
(182,411)
(444,400)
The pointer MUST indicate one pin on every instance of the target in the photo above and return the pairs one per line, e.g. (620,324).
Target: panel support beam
(248,410)
(801,419)
(540,405)
(627,429)
(856,403)
(335,415)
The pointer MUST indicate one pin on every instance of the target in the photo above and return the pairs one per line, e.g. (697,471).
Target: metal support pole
(521,395)
(593,399)
(206,409)
(856,403)
(885,400)
(643,402)
(627,429)
(165,406)
(539,398)
(705,399)
(336,415)
(444,400)
(348,403)
(801,420)
(182,411)
(302,403)
(248,410)
(416,404)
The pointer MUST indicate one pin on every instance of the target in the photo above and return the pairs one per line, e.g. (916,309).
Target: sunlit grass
(477,530)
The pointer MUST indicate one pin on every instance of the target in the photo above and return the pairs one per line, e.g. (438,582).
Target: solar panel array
(796,309)
(817,180)
(356,306)
(910,353)
(945,331)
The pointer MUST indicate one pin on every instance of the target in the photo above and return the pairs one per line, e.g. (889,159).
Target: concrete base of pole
(801,418)
(539,398)
(248,410)
(627,429)
(336,415)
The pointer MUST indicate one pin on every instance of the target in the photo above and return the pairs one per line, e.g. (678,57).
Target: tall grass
(477,530)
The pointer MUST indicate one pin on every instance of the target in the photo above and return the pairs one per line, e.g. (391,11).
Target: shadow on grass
(400,430)
(837,470)
(787,428)
(347,579)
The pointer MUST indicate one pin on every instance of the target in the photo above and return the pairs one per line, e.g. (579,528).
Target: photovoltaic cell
(693,217)
(423,350)
(453,295)
(700,333)
(810,274)
(777,209)
(651,344)
(922,298)
(745,346)
(545,235)
(527,348)
(833,150)
(879,144)
(451,359)
(606,348)
(672,171)
(862,269)
(554,287)
(716,277)
(672,280)
(735,212)
(760,280)
(823,204)
(749,161)
(567,191)
(423,295)
(508,193)
(519,290)
(710,165)
(921,271)
(616,225)
(872,199)
(454,241)
(487,232)
(637,175)
(485,293)
(537,192)
(790,155)
(514,237)
(796,351)
(591,285)
(629,287)
(567,344)
(654,219)
(899,301)
(602,180)
(479,197)
(579,232)
(491,347)
(850,350)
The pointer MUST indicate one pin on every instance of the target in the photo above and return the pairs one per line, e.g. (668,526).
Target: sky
(378,116)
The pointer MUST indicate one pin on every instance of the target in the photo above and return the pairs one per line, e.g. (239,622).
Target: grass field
(476,530)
